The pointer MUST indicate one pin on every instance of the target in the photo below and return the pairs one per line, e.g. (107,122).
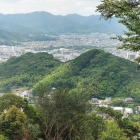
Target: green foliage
(65,115)
(7,100)
(33,119)
(26,70)
(128,11)
(34,130)
(95,72)
(135,118)
(94,125)
(129,127)
(13,122)
(2,137)
(118,102)
(134,90)
(68,116)
(113,132)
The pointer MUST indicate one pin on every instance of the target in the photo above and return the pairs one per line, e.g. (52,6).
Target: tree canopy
(129,13)
(62,115)
(68,116)
(26,70)
(12,110)
(96,73)
(113,132)
(13,122)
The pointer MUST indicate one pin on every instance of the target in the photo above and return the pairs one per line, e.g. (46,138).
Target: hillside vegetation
(96,72)
(11,38)
(26,70)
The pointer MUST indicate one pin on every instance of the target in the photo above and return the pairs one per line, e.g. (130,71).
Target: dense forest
(62,115)
(26,70)
(97,73)
(61,110)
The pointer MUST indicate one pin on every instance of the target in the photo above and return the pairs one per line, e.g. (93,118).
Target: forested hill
(11,38)
(26,70)
(96,72)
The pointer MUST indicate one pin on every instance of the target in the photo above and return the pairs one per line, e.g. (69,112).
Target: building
(131,56)
(94,101)
(25,94)
(127,112)
(121,109)
(108,100)
(128,100)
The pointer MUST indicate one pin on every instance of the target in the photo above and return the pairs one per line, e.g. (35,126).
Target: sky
(57,7)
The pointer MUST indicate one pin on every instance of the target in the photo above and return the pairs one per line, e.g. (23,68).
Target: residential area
(108,102)
(68,46)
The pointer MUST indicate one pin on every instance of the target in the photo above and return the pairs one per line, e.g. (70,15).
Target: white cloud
(58,7)
(10,1)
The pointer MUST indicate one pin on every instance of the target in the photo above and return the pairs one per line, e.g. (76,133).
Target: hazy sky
(58,7)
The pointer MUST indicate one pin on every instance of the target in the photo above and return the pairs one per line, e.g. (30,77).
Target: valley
(67,46)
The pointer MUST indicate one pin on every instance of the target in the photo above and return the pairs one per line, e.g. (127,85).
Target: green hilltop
(26,70)
(96,73)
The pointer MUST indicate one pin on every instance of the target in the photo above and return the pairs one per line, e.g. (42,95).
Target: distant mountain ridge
(44,22)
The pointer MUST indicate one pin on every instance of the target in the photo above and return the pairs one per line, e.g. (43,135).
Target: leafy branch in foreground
(129,13)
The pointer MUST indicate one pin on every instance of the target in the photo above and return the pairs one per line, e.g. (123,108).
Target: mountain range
(37,23)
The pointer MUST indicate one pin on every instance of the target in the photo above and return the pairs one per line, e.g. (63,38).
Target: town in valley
(68,46)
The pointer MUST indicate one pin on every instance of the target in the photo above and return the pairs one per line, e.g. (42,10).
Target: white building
(25,94)
(127,112)
(131,56)
(121,109)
